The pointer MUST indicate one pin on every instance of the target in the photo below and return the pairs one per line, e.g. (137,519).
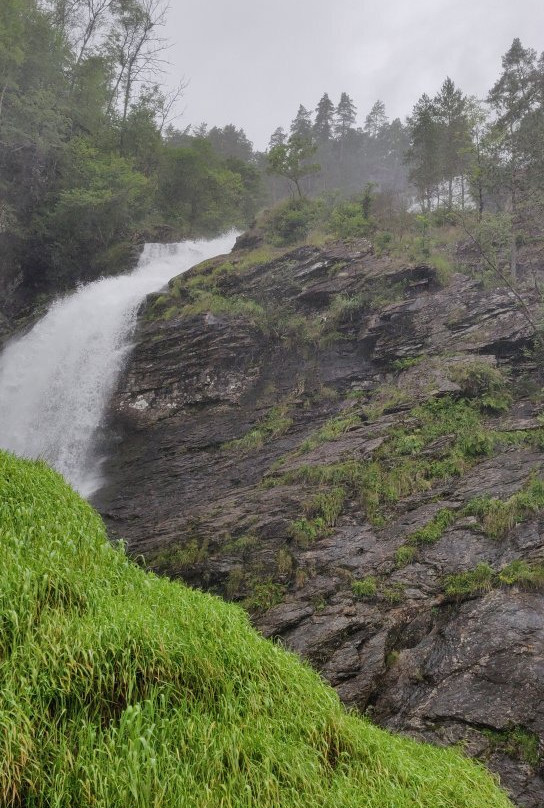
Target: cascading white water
(56,381)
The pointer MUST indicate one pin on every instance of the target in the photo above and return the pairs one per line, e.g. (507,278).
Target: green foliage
(516,742)
(205,302)
(332,429)
(102,199)
(404,555)
(520,573)
(369,588)
(290,222)
(407,362)
(483,578)
(365,588)
(264,595)
(201,193)
(307,531)
(385,398)
(84,167)
(275,423)
(473,582)
(497,517)
(348,220)
(242,544)
(109,674)
(484,383)
(433,530)
(326,505)
(398,468)
(291,160)
(180,556)
(393,594)
(443,266)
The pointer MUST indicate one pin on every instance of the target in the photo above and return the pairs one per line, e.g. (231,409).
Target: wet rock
(223,515)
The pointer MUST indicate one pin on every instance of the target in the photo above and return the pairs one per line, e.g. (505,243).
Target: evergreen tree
(423,155)
(345,116)
(231,142)
(323,124)
(514,96)
(450,108)
(376,120)
(301,126)
(278,137)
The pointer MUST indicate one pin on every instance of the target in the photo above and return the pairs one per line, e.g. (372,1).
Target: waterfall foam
(56,381)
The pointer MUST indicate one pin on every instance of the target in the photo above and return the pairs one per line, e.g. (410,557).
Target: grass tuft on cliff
(119,689)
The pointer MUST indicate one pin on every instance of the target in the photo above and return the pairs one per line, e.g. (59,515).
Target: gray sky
(252,62)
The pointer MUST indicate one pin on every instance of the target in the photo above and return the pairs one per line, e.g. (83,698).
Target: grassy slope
(118,688)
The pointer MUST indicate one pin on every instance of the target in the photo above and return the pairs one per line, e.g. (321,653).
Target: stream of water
(56,380)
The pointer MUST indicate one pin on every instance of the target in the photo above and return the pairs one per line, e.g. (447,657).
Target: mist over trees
(93,161)
(89,161)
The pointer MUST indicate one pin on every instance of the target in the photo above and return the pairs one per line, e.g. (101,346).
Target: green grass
(370,587)
(497,517)
(433,530)
(275,423)
(365,588)
(516,742)
(486,385)
(404,555)
(307,531)
(327,505)
(428,534)
(398,468)
(472,582)
(483,578)
(122,690)
(331,429)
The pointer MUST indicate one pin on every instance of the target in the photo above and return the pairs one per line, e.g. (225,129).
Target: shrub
(349,221)
(485,384)
(290,222)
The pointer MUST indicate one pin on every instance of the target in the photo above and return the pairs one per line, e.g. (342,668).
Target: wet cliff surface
(352,447)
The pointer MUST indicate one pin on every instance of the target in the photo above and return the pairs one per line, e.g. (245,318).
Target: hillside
(122,689)
(349,444)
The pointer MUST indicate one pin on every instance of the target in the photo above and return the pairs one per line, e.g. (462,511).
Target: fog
(252,62)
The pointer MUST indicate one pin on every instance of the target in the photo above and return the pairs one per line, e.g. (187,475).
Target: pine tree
(450,106)
(514,97)
(423,153)
(278,137)
(324,119)
(345,117)
(375,120)
(301,125)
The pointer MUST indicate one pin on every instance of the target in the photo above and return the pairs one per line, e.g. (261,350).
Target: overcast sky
(252,62)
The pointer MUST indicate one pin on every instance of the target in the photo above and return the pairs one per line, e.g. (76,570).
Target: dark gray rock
(222,519)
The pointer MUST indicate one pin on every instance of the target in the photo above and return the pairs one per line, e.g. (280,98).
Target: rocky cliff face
(352,447)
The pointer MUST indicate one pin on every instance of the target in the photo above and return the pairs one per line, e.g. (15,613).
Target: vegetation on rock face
(483,578)
(497,517)
(120,689)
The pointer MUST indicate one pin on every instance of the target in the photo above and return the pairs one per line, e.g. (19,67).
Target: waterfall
(56,381)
